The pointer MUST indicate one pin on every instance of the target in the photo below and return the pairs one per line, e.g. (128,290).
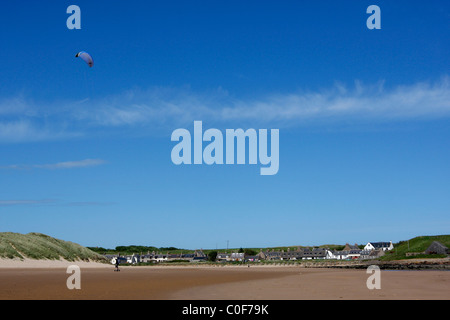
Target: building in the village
(346,254)
(385,246)
(372,250)
(223,256)
(237,256)
(437,248)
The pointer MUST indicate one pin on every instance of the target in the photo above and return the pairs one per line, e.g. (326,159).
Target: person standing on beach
(117,264)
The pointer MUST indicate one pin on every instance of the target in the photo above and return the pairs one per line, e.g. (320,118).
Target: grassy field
(415,245)
(41,246)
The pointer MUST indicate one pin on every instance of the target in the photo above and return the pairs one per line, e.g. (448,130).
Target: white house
(237,256)
(114,258)
(330,255)
(133,259)
(223,256)
(344,254)
(160,257)
(385,246)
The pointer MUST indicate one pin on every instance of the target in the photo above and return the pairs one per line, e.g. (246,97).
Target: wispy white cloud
(21,130)
(89,204)
(4,203)
(30,130)
(71,164)
(340,103)
(59,165)
(420,101)
(26,120)
(52,202)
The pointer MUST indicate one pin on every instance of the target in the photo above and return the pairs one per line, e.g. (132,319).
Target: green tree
(212,256)
(250,252)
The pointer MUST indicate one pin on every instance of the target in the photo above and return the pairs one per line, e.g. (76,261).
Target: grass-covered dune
(39,246)
(415,245)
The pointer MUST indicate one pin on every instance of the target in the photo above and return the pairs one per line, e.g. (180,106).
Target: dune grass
(40,246)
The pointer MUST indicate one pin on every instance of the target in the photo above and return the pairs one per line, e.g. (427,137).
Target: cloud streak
(72,164)
(5,203)
(417,101)
(60,165)
(25,120)
(53,202)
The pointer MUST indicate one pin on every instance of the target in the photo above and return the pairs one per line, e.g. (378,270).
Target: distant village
(371,250)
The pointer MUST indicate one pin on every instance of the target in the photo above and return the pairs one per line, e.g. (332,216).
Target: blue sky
(363,117)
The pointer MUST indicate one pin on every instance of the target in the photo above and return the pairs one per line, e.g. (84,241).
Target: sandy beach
(47,280)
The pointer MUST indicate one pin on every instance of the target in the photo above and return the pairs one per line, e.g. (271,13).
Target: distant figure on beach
(117,264)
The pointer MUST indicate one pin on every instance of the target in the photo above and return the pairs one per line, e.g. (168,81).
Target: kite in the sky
(86,57)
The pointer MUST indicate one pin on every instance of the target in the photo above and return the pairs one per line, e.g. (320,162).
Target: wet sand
(331,284)
(220,283)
